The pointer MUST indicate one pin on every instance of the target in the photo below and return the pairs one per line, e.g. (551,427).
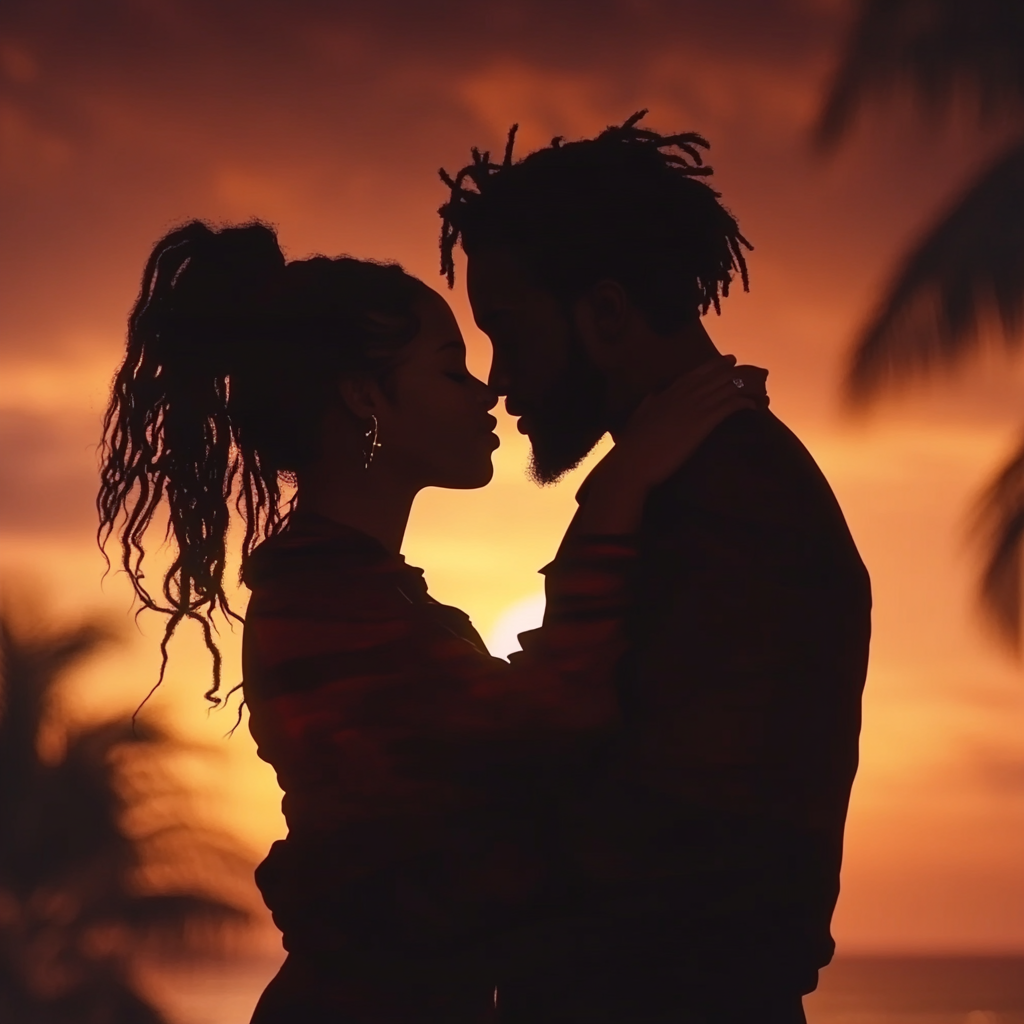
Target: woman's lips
(489,425)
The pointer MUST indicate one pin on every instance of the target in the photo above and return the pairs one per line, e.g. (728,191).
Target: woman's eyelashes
(459,376)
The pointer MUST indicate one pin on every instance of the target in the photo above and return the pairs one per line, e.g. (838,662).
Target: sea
(853,990)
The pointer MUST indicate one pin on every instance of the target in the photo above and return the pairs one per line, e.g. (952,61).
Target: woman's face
(434,427)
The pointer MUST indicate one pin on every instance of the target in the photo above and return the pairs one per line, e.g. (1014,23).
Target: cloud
(48,472)
(1004,773)
(29,153)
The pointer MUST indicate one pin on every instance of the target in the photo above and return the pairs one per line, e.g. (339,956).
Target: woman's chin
(470,478)
(484,476)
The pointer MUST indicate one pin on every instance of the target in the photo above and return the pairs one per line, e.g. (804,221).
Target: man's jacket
(701,847)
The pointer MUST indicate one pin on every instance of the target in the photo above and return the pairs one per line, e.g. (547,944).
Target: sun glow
(524,615)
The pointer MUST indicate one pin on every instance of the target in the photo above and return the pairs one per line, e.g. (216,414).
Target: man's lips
(516,409)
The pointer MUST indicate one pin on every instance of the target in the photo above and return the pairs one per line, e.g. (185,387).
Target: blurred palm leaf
(937,50)
(971,264)
(1000,520)
(80,833)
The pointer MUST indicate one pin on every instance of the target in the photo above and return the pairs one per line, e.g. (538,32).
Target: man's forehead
(495,278)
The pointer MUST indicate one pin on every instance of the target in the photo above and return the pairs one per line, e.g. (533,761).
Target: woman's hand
(668,427)
(663,432)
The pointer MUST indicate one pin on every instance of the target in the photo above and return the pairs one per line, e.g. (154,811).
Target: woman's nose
(489,396)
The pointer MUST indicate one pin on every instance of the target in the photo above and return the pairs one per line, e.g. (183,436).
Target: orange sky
(121,119)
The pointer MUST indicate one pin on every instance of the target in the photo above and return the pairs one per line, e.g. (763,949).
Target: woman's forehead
(436,316)
(438,337)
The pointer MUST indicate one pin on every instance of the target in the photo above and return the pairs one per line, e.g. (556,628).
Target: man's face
(539,363)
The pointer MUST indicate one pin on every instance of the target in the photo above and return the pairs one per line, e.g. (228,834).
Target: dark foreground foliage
(97,861)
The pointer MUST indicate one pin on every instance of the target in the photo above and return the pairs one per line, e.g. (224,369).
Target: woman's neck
(360,499)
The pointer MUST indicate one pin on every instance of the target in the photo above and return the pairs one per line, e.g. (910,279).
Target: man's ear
(601,317)
(360,394)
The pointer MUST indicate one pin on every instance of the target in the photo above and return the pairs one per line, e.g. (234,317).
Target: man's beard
(569,420)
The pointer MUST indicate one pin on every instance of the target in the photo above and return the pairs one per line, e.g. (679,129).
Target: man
(698,856)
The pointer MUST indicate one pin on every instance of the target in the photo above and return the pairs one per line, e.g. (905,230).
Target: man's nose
(498,379)
(490,397)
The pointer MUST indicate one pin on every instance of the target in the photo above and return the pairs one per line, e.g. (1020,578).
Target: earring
(372,444)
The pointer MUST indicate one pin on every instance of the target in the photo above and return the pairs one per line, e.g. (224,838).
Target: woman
(419,773)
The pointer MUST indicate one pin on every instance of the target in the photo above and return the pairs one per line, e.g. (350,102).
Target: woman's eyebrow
(453,343)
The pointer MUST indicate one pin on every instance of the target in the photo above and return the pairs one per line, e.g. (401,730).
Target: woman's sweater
(420,775)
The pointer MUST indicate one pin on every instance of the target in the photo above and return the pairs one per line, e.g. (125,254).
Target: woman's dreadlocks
(232,360)
(629,204)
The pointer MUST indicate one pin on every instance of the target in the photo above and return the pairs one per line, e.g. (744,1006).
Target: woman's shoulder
(317,563)
(307,543)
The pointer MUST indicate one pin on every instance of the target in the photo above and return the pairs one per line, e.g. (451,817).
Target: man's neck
(656,360)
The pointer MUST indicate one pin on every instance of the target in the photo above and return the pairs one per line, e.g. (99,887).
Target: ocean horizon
(854,989)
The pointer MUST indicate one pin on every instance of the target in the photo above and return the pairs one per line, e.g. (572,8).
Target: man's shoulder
(752,467)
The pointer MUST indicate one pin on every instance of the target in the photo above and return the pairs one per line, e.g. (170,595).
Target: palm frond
(100,851)
(105,996)
(196,847)
(1000,522)
(173,915)
(31,665)
(967,267)
(932,49)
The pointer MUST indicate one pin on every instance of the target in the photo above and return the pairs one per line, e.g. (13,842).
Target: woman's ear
(360,394)
(601,317)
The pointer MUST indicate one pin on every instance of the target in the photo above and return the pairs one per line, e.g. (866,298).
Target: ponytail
(232,358)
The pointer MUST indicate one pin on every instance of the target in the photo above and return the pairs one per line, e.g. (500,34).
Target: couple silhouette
(639,817)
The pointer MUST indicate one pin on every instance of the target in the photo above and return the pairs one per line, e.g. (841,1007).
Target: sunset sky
(122,118)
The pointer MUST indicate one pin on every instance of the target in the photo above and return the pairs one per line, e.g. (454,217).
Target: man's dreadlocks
(629,204)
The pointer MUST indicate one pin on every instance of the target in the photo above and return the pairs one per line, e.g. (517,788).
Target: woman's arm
(663,432)
(368,686)
(563,679)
